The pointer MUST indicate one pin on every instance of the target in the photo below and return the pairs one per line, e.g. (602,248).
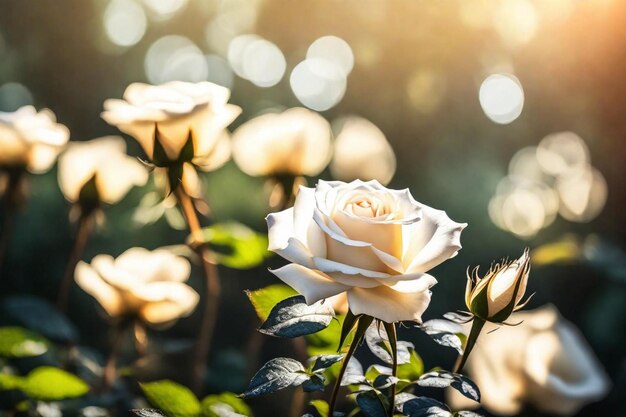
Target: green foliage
(17,342)
(47,383)
(326,342)
(277,374)
(321,407)
(9,382)
(413,369)
(174,399)
(264,299)
(226,398)
(293,317)
(235,245)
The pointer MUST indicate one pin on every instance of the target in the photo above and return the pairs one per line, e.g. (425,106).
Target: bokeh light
(515,21)
(333,49)
(175,57)
(164,9)
(220,71)
(263,63)
(125,22)
(583,194)
(560,152)
(319,84)
(501,98)
(426,90)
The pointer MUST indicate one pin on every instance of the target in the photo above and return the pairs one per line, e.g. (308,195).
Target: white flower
(150,284)
(361,238)
(499,293)
(545,361)
(178,109)
(362,151)
(105,161)
(295,142)
(31,139)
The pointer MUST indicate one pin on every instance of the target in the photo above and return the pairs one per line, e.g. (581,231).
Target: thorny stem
(11,202)
(477,326)
(85,225)
(212,287)
(393,341)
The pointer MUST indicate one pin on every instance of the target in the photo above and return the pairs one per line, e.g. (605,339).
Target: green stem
(390,328)
(477,326)
(364,322)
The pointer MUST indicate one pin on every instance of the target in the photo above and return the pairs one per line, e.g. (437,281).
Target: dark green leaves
(445,332)
(174,399)
(371,404)
(293,317)
(277,374)
(147,412)
(264,299)
(224,404)
(235,245)
(444,379)
(378,342)
(17,342)
(425,407)
(324,361)
(413,369)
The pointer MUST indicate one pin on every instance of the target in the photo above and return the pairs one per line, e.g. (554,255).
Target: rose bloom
(362,151)
(149,284)
(294,142)
(178,109)
(373,243)
(30,139)
(544,361)
(105,161)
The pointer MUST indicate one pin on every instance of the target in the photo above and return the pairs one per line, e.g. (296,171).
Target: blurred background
(486,104)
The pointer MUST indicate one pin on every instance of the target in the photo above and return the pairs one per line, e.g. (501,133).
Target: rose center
(366,207)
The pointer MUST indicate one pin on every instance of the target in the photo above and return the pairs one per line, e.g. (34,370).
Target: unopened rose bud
(499,293)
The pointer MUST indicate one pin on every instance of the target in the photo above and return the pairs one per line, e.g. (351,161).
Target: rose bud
(499,293)
(99,170)
(147,284)
(176,122)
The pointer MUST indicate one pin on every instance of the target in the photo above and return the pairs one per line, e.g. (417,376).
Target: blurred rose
(105,161)
(30,139)
(362,151)
(364,239)
(178,109)
(294,142)
(544,361)
(147,283)
(495,296)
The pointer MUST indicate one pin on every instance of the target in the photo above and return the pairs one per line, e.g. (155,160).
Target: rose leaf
(293,317)
(277,374)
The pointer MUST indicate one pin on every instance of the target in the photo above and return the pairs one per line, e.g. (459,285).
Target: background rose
(296,141)
(105,160)
(177,108)
(150,284)
(544,361)
(374,243)
(31,139)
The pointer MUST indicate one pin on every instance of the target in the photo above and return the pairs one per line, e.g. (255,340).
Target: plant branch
(83,231)
(212,288)
(477,326)
(110,369)
(393,341)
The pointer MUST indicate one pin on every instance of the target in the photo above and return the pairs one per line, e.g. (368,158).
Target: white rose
(545,361)
(31,139)
(361,238)
(150,284)
(296,142)
(105,160)
(178,109)
(358,143)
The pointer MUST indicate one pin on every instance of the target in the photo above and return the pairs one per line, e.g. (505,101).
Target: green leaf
(413,369)
(444,379)
(10,382)
(425,407)
(371,404)
(235,245)
(147,412)
(277,374)
(226,398)
(17,342)
(444,332)
(315,382)
(377,340)
(47,383)
(346,328)
(321,407)
(293,317)
(264,299)
(174,399)
(322,362)
(325,342)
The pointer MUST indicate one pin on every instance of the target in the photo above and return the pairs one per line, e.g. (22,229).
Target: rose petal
(108,297)
(392,304)
(326,265)
(150,266)
(305,228)
(431,241)
(282,240)
(313,285)
(173,300)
